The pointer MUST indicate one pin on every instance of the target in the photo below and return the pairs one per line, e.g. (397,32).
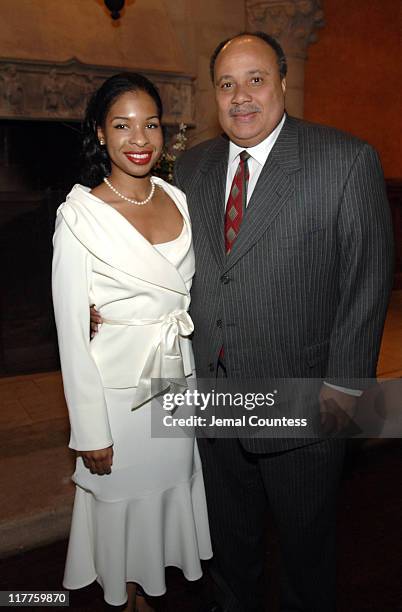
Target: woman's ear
(101,136)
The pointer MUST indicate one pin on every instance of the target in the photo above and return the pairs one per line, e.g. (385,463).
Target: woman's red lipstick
(139,158)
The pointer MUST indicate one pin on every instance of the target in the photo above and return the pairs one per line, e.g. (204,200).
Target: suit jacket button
(219,323)
(225,279)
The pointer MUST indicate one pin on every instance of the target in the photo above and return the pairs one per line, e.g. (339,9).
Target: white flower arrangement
(164,167)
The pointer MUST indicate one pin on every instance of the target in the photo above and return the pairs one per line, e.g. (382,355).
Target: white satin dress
(150,512)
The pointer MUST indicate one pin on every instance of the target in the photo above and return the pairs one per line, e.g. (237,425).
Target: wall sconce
(114,6)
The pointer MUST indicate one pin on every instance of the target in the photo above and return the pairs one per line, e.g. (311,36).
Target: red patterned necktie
(235,208)
(236,204)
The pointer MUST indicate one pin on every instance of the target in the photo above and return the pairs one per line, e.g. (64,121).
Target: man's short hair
(269,40)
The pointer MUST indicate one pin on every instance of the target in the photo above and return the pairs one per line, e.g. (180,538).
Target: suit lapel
(274,187)
(212,197)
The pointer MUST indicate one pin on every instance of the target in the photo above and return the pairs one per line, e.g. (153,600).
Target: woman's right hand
(98,461)
(96,320)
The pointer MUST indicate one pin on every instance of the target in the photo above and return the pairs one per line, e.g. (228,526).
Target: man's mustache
(243,110)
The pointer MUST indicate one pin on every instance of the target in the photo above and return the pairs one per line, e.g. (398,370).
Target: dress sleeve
(83,389)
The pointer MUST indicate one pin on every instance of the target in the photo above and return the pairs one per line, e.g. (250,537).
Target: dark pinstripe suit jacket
(305,288)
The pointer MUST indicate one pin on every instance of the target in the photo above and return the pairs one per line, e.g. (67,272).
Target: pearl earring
(101,142)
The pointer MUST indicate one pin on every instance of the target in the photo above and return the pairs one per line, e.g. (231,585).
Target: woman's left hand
(98,461)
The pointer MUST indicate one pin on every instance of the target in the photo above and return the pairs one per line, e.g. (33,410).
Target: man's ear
(283,85)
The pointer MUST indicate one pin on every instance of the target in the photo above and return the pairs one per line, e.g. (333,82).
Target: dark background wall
(354,73)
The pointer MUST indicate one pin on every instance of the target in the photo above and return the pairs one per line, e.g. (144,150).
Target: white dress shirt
(258,156)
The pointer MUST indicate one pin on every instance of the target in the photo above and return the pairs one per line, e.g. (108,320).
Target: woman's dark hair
(95,159)
(269,40)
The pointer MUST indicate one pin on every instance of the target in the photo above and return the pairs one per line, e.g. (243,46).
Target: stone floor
(35,463)
(369,549)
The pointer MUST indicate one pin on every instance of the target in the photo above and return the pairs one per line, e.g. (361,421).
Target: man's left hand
(96,320)
(337,410)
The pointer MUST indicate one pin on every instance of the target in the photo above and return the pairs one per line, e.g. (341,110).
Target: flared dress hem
(112,603)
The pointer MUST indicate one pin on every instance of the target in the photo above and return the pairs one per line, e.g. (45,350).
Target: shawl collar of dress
(112,239)
(272,191)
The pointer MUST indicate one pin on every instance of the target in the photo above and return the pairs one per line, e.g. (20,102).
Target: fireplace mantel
(39,90)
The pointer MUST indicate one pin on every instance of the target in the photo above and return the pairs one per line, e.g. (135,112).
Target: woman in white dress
(125,244)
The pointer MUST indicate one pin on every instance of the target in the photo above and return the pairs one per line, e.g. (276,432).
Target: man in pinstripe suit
(302,293)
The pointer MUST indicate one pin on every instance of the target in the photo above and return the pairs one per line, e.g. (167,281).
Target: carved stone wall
(293,23)
(60,91)
(168,40)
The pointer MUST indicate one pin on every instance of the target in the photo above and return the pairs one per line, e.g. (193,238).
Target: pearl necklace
(129,200)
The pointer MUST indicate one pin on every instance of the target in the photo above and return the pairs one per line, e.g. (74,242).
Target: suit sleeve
(83,389)
(365,250)
(176,175)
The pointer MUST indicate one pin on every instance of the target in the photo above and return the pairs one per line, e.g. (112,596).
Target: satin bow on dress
(164,364)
